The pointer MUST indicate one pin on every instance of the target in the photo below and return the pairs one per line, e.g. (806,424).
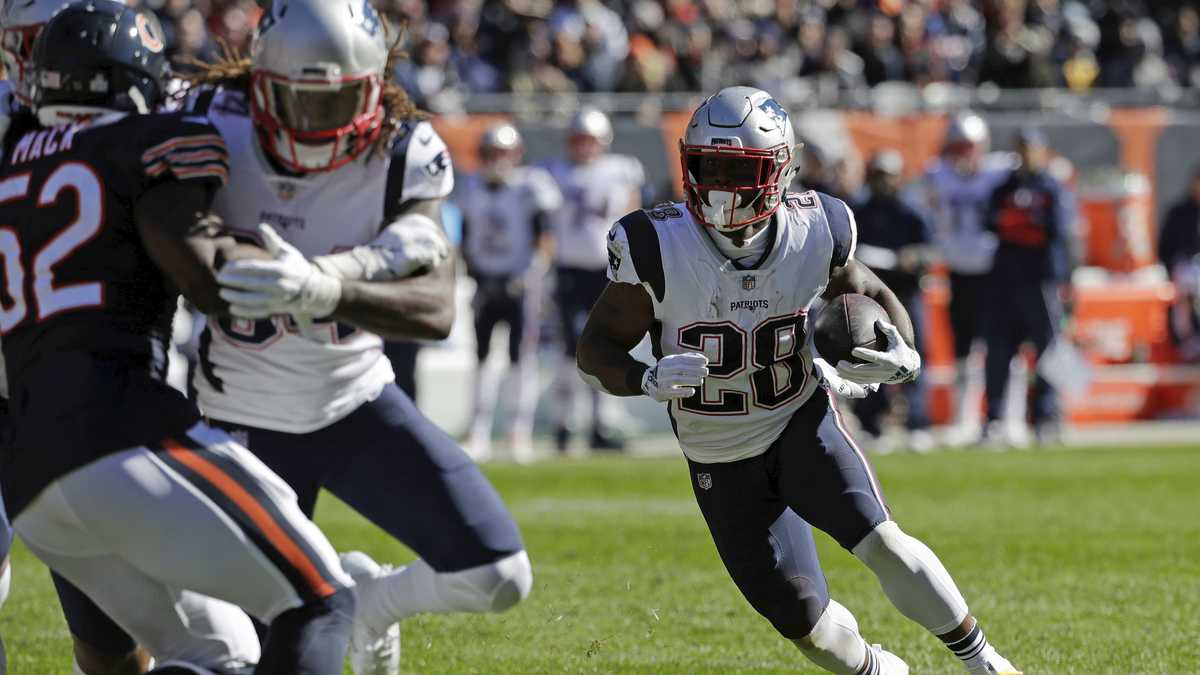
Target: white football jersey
(499,238)
(594,195)
(273,374)
(751,323)
(957,203)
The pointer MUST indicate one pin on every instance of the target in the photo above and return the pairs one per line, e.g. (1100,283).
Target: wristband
(634,377)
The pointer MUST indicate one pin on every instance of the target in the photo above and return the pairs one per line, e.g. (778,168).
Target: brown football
(240,252)
(849,321)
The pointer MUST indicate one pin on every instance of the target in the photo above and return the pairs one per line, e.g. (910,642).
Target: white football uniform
(594,195)
(957,203)
(272,374)
(500,236)
(751,323)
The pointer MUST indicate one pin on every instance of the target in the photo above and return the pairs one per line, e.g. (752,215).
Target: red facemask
(316,125)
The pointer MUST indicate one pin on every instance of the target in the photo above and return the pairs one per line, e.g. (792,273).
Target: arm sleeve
(843,229)
(635,255)
(620,260)
(544,190)
(420,168)
(183,148)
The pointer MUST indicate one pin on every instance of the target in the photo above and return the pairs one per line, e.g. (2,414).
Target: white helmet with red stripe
(739,156)
(317,82)
(20,23)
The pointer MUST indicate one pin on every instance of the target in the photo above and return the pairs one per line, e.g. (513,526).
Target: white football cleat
(374,650)
(889,663)
(989,662)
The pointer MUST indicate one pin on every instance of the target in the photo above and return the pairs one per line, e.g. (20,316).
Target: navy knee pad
(310,639)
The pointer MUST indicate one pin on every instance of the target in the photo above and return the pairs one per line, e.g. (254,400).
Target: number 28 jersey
(750,323)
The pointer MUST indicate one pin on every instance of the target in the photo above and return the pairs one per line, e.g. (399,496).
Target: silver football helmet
(20,23)
(739,156)
(317,81)
(500,151)
(593,123)
(966,141)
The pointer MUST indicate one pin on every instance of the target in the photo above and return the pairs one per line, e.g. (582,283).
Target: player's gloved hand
(836,384)
(900,363)
(288,284)
(675,376)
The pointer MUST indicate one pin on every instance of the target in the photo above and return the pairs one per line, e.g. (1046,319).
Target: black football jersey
(85,313)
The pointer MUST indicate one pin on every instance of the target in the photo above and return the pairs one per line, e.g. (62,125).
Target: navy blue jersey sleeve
(841,227)
(182,147)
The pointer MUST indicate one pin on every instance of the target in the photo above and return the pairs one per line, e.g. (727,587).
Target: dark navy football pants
(494,303)
(402,473)
(1020,313)
(967,305)
(576,292)
(759,510)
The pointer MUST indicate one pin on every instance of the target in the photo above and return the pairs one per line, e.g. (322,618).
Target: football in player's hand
(240,252)
(849,321)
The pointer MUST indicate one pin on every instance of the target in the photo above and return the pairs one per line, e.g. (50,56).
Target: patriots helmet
(316,82)
(739,155)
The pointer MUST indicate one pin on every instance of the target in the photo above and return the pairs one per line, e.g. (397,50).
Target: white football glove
(836,384)
(412,244)
(675,376)
(288,284)
(900,363)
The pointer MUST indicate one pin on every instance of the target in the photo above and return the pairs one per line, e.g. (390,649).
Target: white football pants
(134,529)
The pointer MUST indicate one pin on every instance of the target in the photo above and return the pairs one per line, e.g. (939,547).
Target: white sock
(913,578)
(5,583)
(407,591)
(416,588)
(835,645)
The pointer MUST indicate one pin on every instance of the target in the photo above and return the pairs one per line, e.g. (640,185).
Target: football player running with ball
(723,284)
(334,173)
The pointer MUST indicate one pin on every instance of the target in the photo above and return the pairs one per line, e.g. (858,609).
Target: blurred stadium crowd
(461,47)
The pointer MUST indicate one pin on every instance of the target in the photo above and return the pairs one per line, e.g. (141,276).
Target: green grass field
(1077,561)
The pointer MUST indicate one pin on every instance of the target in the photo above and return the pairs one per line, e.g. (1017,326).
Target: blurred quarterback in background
(598,187)
(507,246)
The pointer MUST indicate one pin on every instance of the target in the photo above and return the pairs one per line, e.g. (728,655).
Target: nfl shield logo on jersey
(704,480)
(285,189)
(749,282)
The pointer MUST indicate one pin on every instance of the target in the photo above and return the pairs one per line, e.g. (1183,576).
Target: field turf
(1076,561)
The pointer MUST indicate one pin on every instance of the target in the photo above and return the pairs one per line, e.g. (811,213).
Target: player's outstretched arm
(617,323)
(415,307)
(183,239)
(420,307)
(855,277)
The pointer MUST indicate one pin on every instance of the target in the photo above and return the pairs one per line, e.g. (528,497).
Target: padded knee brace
(834,643)
(493,587)
(913,578)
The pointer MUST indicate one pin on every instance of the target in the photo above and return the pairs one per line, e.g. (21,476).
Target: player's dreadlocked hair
(231,70)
